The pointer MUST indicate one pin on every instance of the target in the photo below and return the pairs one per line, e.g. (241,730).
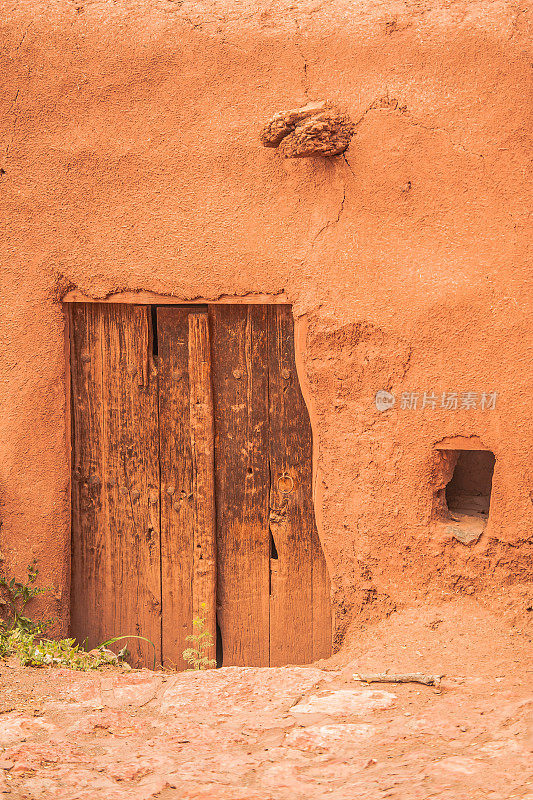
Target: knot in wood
(317,129)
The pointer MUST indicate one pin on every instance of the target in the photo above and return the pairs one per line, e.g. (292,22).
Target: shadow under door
(192,485)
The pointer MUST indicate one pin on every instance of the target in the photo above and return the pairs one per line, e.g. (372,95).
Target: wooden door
(192,484)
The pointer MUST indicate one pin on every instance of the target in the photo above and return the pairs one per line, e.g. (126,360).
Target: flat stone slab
(329,737)
(133,690)
(345,702)
(243,691)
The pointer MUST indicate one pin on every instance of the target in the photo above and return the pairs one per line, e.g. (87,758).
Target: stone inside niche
(317,129)
(463,483)
(467,531)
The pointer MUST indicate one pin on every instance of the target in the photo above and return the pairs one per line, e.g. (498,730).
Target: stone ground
(292,732)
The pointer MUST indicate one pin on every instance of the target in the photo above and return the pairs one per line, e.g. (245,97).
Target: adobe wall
(131,161)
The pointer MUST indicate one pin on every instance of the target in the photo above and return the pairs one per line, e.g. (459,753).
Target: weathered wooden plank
(131,479)
(240,382)
(115,543)
(298,612)
(188,543)
(291,599)
(322,612)
(177,483)
(202,452)
(89,616)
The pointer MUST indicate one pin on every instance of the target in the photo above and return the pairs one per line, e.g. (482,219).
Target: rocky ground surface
(292,732)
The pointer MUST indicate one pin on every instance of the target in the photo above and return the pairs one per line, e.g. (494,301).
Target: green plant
(14,597)
(201,640)
(34,651)
(22,637)
(124,653)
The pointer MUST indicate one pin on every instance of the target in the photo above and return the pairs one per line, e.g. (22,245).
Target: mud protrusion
(317,129)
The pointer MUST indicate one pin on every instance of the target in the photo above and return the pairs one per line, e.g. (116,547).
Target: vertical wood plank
(116,559)
(299,620)
(202,452)
(239,348)
(188,544)
(88,613)
(322,613)
(177,484)
(131,468)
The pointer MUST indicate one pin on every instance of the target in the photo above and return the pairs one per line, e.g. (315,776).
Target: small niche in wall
(469,490)
(464,499)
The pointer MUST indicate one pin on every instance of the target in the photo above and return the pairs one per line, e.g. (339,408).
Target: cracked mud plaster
(317,129)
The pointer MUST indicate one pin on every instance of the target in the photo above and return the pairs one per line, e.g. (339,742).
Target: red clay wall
(131,161)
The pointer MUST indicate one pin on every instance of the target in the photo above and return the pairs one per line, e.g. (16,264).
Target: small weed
(124,653)
(15,596)
(201,640)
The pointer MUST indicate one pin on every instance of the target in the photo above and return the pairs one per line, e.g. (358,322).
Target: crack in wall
(377,101)
(14,129)
(211,22)
(393,104)
(12,109)
(444,132)
(520,17)
(406,364)
(299,46)
(25,33)
(348,164)
(330,222)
